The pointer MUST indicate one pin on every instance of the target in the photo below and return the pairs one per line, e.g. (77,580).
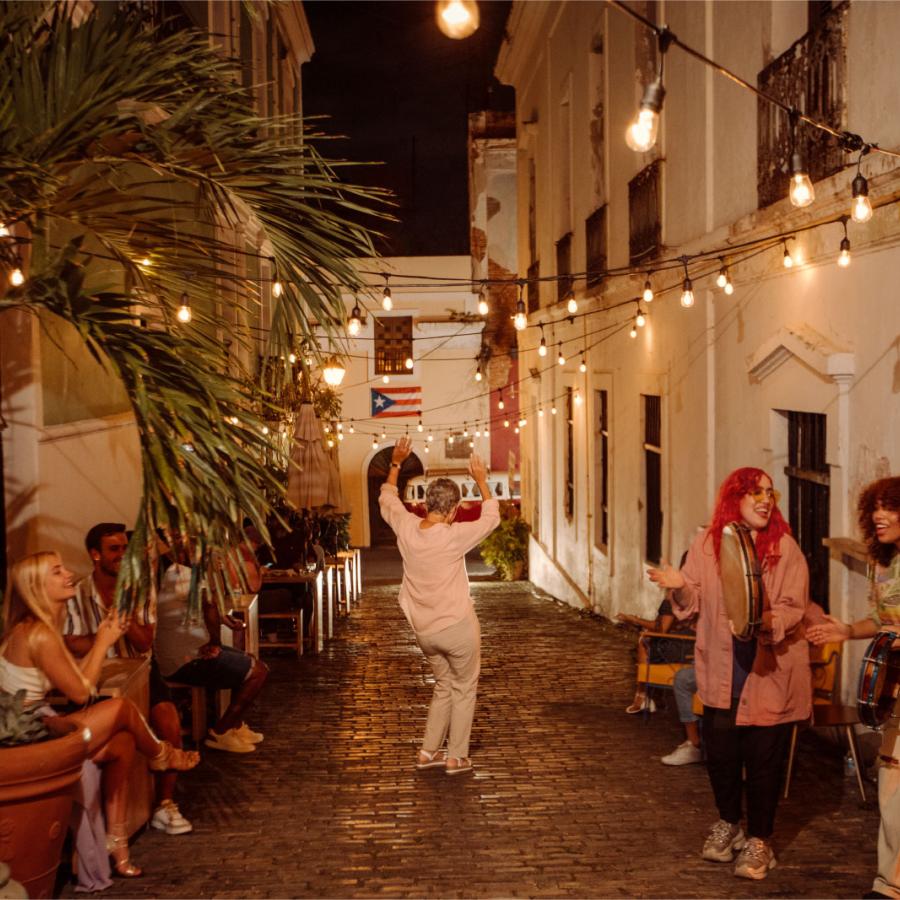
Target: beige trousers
(455,657)
(887,881)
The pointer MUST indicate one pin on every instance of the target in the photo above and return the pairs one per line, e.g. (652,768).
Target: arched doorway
(380,533)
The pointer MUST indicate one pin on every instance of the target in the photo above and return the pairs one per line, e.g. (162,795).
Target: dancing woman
(879,521)
(752,691)
(34,657)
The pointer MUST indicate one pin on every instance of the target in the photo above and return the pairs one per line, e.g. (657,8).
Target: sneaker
(168,818)
(721,842)
(683,755)
(231,741)
(248,735)
(755,860)
(640,704)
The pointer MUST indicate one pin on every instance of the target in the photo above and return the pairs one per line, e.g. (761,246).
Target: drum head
(732,574)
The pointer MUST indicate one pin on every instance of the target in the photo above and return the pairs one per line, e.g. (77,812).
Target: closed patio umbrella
(313,479)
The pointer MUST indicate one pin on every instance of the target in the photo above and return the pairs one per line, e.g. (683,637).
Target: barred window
(653,478)
(393,345)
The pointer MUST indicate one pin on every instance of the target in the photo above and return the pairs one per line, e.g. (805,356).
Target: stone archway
(380,534)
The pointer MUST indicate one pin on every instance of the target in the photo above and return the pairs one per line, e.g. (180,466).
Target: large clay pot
(36,787)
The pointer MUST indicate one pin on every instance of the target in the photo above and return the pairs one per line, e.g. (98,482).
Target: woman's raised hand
(401,450)
(667,577)
(477,468)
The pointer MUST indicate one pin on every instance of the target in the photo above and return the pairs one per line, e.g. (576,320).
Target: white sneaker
(248,735)
(231,741)
(168,818)
(721,842)
(683,755)
(755,860)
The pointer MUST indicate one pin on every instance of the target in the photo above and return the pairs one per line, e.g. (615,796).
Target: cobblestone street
(569,797)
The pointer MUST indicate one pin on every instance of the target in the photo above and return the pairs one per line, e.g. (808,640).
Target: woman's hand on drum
(829,632)
(667,577)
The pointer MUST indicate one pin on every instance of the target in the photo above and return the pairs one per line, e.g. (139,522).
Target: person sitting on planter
(106,543)
(188,647)
(34,658)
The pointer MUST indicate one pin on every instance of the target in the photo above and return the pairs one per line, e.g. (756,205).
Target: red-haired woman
(751,690)
(879,521)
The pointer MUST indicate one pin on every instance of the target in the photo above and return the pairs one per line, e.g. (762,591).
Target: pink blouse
(779,687)
(434,593)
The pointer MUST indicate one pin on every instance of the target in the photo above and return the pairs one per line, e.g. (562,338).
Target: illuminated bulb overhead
(352,429)
(330,443)
(561,359)
(387,302)
(145,262)
(340,436)
(386,379)
(572,305)
(642,132)
(465,430)
(334,372)
(292,358)
(16,277)
(457,19)
(523,422)
(801,191)
(542,347)
(516,430)
(427,450)
(648,292)
(420,427)
(633,332)
(4,231)
(787,259)
(483,308)
(374,444)
(541,412)
(729,287)
(430,437)
(383,435)
(354,323)
(265,429)
(722,277)
(450,439)
(478,432)
(640,319)
(553,410)
(520,319)
(471,445)
(844,256)
(687,293)
(582,366)
(577,398)
(277,289)
(861,208)
(506,423)
(500,403)
(184,309)
(408,362)
(478,374)
(486,431)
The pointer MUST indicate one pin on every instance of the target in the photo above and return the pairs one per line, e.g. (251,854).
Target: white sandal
(463,764)
(430,760)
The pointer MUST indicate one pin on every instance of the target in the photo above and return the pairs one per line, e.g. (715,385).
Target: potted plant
(506,548)
(38,772)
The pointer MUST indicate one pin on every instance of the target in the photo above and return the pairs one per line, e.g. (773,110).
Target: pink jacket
(435,591)
(779,688)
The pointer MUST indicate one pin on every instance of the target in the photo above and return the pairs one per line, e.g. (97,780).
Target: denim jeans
(684,687)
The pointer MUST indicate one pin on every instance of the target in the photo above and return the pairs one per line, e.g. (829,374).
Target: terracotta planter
(36,787)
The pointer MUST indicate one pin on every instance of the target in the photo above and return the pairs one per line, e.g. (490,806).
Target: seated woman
(34,657)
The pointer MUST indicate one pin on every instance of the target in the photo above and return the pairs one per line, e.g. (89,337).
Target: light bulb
(387,302)
(383,435)
(408,362)
(541,413)
(374,445)
(354,323)
(340,426)
(340,436)
(687,293)
(386,379)
(523,422)
(478,374)
(561,359)
(729,287)
(552,410)
(478,432)
(722,277)
(486,432)
(642,132)
(265,429)
(292,358)
(506,423)
(633,332)
(277,289)
(427,450)
(542,348)
(16,278)
(577,398)
(465,430)
(420,427)
(430,437)
(516,430)
(648,292)
(520,319)
(788,260)
(4,231)
(457,19)
(844,257)
(572,305)
(483,307)
(184,310)
(334,372)
(640,320)
(450,439)
(582,366)
(145,262)
(352,430)
(500,403)
(330,443)
(861,208)
(802,192)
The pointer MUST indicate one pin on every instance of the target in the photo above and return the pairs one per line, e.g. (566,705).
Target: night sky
(400,91)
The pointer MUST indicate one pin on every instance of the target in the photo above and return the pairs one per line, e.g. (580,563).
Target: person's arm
(140,635)
(787,593)
(684,583)
(392,509)
(467,535)
(835,631)
(79,644)
(213,622)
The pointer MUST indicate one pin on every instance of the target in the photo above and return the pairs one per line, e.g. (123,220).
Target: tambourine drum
(741,578)
(879,680)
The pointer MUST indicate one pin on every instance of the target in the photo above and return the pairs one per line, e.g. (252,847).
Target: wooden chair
(295,617)
(660,675)
(828,711)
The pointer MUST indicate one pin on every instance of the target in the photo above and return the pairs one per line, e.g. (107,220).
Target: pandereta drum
(741,579)
(879,680)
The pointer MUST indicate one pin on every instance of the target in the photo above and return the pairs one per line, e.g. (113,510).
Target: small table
(293,577)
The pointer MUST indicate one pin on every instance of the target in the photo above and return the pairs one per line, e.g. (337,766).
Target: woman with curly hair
(879,522)
(752,691)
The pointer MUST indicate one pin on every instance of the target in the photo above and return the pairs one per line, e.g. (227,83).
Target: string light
(500,403)
(844,256)
(383,435)
(386,379)
(340,435)
(561,359)
(642,132)
(523,422)
(265,429)
(648,290)
(465,430)
(516,430)
(722,277)
(787,259)
(478,373)
(352,429)
(486,431)
(801,192)
(572,304)
(520,319)
(633,332)
(354,323)
(729,287)
(582,366)
(340,426)
(861,208)
(640,319)
(420,427)
(457,19)
(540,412)
(387,302)
(374,444)
(553,410)
(408,363)
(478,432)
(506,423)
(330,443)
(427,449)
(483,308)
(145,262)
(430,437)
(4,231)
(542,347)
(17,277)
(687,288)
(292,357)
(184,309)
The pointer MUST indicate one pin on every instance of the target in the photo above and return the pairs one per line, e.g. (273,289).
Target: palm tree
(136,179)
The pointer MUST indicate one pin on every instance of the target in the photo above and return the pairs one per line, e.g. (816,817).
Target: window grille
(644,203)
(393,345)
(653,478)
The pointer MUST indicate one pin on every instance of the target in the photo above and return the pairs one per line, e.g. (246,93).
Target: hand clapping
(667,577)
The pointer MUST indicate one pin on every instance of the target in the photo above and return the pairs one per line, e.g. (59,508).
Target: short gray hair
(441,496)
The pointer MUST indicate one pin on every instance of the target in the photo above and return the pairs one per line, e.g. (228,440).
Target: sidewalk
(569,798)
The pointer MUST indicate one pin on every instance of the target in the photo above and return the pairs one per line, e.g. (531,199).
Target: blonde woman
(33,657)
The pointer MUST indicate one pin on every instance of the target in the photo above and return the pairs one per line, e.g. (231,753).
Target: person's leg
(438,721)
(765,751)
(684,687)
(724,761)
(464,657)
(887,881)
(243,696)
(167,724)
(637,704)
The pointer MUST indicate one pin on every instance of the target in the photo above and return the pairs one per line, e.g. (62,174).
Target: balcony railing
(811,76)
(644,202)
(564,282)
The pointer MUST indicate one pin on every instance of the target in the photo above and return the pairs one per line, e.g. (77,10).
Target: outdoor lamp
(861,210)
(457,19)
(184,310)
(354,323)
(520,320)
(333,373)
(802,192)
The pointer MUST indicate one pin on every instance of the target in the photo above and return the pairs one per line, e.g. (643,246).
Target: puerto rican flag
(396,402)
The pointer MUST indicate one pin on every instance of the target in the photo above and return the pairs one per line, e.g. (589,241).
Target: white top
(32,680)
(179,634)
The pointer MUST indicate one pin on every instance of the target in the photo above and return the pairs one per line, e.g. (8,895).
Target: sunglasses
(762,494)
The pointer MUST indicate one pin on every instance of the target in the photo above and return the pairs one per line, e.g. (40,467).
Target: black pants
(761,750)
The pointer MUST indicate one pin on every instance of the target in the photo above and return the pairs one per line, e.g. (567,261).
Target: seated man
(684,687)
(106,543)
(189,650)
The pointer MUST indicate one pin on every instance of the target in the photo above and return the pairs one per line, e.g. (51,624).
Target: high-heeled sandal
(173,758)
(117,847)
